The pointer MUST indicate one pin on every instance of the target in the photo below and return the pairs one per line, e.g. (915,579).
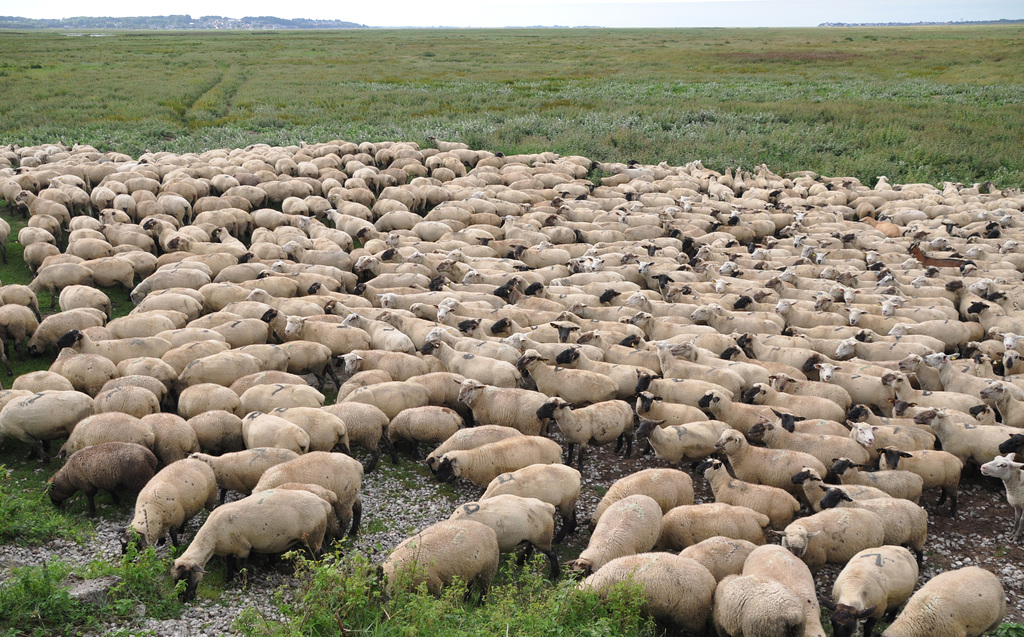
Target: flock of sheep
(822,352)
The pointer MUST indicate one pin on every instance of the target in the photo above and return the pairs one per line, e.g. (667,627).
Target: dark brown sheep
(111,467)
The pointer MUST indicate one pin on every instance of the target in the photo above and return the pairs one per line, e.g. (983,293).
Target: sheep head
(191,573)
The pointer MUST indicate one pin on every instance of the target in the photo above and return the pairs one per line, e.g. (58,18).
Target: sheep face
(845,619)
(1013,445)
(795,540)
(191,573)
(446,469)
(864,433)
(846,348)
(1002,467)
(469,389)
(730,442)
(293,325)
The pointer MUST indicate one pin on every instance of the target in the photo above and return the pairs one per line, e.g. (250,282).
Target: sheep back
(441,552)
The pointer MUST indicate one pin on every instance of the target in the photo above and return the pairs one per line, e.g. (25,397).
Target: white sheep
(335,472)
(778,505)
(776,563)
(487,462)
(45,416)
(773,467)
(814,488)
(833,536)
(631,525)
(555,484)
(965,602)
(874,582)
(438,554)
(722,556)
(936,468)
(1004,468)
(429,424)
(898,484)
(675,589)
(670,488)
(507,407)
(595,424)
(677,443)
(751,605)
(241,470)
(516,520)
(170,499)
(690,524)
(267,430)
(904,522)
(270,522)
(470,438)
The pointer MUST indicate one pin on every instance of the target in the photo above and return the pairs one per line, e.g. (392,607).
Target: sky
(610,13)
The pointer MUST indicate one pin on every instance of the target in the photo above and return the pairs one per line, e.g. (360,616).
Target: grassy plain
(916,104)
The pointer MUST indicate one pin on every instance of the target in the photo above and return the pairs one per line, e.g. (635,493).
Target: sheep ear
(827,603)
(813,534)
(867,612)
(904,454)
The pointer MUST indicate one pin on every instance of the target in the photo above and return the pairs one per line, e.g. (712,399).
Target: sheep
(814,488)
(807,406)
(655,408)
(936,468)
(269,397)
(37,382)
(755,606)
(740,416)
(978,444)
(429,424)
(689,524)
(469,439)
(174,495)
(552,483)
(875,437)
(898,484)
(268,377)
(596,424)
(481,368)
(241,470)
(17,324)
(674,589)
(823,447)
(340,339)
(442,552)
(778,505)
(722,556)
(398,365)
(1004,468)
(516,521)
(776,563)
(335,472)
(785,383)
(508,407)
(678,443)
(36,419)
(54,326)
(485,463)
(326,431)
(173,439)
(772,467)
(382,335)
(874,582)
(575,386)
(965,602)
(1001,397)
(624,375)
(116,350)
(57,278)
(110,467)
(107,427)
(266,430)
(833,536)
(218,432)
(149,383)
(269,523)
(88,373)
(905,522)
(134,401)
(631,525)
(670,488)
(365,425)
(390,397)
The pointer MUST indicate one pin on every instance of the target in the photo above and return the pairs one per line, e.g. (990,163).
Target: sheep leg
(174,536)
(869,627)
(568,527)
(374,459)
(579,458)
(329,370)
(357,515)
(91,497)
(232,568)
(526,554)
(568,458)
(223,495)
(553,560)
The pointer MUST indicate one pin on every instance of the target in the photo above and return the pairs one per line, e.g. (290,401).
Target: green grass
(343,595)
(915,104)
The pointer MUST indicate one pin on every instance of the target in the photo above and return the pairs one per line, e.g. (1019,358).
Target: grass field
(915,104)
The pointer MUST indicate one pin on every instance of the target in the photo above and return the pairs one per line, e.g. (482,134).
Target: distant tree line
(174,22)
(917,24)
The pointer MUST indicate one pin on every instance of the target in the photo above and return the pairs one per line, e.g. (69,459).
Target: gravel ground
(398,501)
